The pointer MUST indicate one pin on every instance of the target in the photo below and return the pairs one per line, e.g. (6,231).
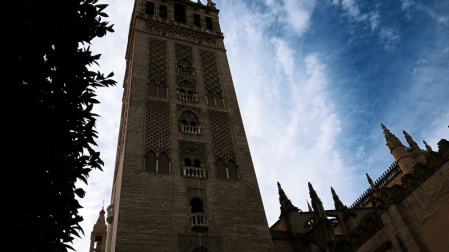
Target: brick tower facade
(184,178)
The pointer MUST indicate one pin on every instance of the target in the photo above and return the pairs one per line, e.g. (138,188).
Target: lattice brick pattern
(157,65)
(157,126)
(184,52)
(210,71)
(222,143)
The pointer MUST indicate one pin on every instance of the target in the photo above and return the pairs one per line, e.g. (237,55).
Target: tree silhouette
(50,126)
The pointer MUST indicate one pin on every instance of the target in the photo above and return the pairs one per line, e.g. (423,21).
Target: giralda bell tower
(184,178)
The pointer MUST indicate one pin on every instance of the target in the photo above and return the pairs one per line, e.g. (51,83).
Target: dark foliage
(50,127)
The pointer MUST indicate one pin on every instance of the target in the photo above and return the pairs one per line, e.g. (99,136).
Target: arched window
(189,123)
(210,99)
(196,205)
(152,88)
(154,163)
(150,161)
(163,163)
(219,100)
(232,170)
(162,89)
(221,169)
(197,163)
(185,67)
(187,91)
(187,162)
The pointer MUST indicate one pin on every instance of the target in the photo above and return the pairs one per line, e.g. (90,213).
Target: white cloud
(389,38)
(298,14)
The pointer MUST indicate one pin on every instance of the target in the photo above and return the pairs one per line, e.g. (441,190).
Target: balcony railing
(199,222)
(182,70)
(191,129)
(194,172)
(188,97)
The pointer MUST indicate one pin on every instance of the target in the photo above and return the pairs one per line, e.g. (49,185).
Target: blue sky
(314,80)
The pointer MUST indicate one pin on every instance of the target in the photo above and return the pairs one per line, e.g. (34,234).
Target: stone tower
(98,234)
(184,178)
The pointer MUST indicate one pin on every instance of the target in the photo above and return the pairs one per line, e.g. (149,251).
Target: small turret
(405,158)
(316,204)
(286,204)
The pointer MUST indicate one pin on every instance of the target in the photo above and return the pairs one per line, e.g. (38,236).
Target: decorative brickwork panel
(181,78)
(157,126)
(222,143)
(183,52)
(157,65)
(190,147)
(182,33)
(210,71)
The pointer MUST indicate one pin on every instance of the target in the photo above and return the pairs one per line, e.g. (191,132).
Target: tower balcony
(187,97)
(191,129)
(199,222)
(194,172)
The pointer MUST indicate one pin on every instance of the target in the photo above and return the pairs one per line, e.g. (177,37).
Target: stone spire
(371,183)
(376,197)
(405,158)
(392,140)
(410,141)
(286,204)
(337,202)
(316,204)
(417,152)
(429,149)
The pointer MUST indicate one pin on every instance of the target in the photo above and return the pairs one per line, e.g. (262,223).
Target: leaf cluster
(51,127)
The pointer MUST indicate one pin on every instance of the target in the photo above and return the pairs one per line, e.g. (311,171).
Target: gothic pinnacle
(392,140)
(286,204)
(313,194)
(310,208)
(410,140)
(387,132)
(427,146)
(337,202)
(371,183)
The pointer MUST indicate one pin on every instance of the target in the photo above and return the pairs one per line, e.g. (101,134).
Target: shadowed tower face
(184,179)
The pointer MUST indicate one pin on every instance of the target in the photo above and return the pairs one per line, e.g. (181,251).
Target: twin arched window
(157,89)
(215,100)
(189,123)
(227,171)
(157,163)
(194,163)
(185,67)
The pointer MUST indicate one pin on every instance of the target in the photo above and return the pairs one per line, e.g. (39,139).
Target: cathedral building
(184,179)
